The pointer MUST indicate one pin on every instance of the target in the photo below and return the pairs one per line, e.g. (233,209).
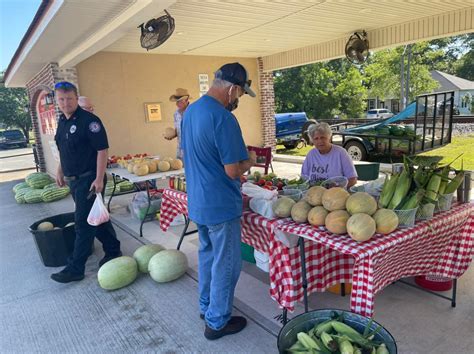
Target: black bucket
(306,321)
(55,246)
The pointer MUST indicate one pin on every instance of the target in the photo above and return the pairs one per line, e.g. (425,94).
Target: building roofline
(44,6)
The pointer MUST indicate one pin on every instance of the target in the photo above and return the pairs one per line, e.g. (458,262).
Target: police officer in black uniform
(82,143)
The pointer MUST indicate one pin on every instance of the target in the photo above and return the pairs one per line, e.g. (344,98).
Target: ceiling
(284,33)
(262,28)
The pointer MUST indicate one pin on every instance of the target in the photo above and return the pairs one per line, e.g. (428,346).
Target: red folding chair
(264,157)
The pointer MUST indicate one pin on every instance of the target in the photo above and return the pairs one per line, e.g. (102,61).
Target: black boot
(109,257)
(235,325)
(65,276)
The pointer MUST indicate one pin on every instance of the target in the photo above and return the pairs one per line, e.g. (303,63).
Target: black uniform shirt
(78,139)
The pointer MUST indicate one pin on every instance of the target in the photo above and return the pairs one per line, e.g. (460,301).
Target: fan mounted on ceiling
(357,48)
(156,31)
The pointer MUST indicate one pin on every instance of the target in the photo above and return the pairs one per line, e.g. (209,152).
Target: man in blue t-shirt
(215,157)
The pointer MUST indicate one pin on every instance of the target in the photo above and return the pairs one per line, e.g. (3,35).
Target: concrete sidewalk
(39,315)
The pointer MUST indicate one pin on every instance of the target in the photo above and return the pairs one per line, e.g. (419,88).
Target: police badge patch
(72,130)
(94,127)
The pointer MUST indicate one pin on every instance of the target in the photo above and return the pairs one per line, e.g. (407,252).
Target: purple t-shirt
(337,162)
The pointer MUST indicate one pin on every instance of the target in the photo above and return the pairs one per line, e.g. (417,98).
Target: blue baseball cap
(236,74)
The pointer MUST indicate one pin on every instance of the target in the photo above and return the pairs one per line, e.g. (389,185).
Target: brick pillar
(45,80)
(267,106)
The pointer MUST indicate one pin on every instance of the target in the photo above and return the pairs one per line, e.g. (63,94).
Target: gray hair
(321,128)
(219,83)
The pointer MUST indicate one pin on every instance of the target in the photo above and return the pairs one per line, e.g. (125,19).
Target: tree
(13,108)
(383,73)
(322,90)
(465,67)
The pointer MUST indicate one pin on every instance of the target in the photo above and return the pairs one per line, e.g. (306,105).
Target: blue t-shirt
(211,138)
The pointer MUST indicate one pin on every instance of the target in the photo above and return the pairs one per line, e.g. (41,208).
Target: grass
(459,145)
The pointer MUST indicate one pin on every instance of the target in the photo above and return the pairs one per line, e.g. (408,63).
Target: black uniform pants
(85,233)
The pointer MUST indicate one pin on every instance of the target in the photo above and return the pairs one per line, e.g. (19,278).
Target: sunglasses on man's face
(63,85)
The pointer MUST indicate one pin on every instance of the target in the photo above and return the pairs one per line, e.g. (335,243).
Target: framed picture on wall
(152,111)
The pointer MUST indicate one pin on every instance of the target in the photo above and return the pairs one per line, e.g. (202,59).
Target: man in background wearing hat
(215,157)
(181,97)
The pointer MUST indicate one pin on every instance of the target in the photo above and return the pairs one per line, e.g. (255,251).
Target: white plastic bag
(263,207)
(254,191)
(99,213)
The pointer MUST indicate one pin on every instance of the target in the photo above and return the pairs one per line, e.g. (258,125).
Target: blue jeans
(220,262)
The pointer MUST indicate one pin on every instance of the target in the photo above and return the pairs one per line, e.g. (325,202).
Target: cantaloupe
(282,207)
(45,226)
(170,133)
(317,216)
(386,221)
(176,164)
(335,198)
(141,169)
(117,273)
(314,196)
(164,166)
(361,227)
(130,167)
(361,202)
(336,221)
(299,211)
(167,265)
(143,255)
(152,166)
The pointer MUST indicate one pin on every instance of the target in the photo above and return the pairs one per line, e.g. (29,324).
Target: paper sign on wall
(203,84)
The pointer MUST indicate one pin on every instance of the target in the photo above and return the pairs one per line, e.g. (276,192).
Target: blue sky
(15,18)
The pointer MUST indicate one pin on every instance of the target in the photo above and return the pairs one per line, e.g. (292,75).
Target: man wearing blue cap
(215,157)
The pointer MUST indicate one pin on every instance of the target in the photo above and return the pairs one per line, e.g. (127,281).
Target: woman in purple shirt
(326,160)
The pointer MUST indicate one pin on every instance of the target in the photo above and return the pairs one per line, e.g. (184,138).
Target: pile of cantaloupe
(340,212)
(142,167)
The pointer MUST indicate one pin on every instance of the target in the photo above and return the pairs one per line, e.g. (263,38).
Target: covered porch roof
(284,34)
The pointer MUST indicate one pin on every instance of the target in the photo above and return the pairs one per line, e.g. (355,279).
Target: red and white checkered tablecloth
(442,246)
(173,203)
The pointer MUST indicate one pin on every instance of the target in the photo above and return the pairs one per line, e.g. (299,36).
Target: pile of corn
(421,182)
(334,336)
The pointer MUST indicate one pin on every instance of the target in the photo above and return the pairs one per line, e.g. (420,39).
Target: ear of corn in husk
(388,190)
(401,189)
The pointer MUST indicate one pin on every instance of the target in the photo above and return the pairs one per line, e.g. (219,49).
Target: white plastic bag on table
(99,213)
(254,191)
(261,199)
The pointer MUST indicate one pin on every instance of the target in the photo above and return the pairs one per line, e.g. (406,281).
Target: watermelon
(167,265)
(38,180)
(117,273)
(33,196)
(143,255)
(53,194)
(19,186)
(20,195)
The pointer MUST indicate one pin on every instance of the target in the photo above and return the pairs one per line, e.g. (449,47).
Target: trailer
(431,129)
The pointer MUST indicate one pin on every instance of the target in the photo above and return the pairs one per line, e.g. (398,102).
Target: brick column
(45,80)
(267,106)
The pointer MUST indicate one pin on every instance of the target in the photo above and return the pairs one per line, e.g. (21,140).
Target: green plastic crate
(247,253)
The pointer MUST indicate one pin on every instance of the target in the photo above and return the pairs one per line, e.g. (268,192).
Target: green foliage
(13,103)
(322,90)
(383,73)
